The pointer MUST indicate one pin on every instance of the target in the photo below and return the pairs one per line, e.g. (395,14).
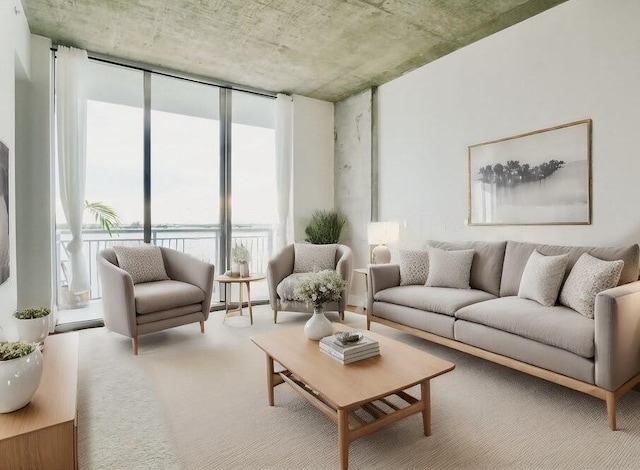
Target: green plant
(9,351)
(103,214)
(324,227)
(240,254)
(320,288)
(31,313)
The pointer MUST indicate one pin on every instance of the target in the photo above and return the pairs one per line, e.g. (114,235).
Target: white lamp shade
(382,233)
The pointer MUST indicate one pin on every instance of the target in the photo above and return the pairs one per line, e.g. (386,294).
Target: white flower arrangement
(240,254)
(320,288)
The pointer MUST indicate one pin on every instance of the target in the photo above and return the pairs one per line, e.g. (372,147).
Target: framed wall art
(538,178)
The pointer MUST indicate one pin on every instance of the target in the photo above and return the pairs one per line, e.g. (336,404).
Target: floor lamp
(381,234)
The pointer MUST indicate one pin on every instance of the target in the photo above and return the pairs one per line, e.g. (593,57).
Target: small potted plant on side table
(20,374)
(33,324)
(318,289)
(241,259)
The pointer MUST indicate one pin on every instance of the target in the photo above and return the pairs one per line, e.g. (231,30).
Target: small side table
(364,271)
(227,281)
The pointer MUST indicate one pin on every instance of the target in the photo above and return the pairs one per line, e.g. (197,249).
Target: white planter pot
(318,326)
(244,269)
(19,380)
(34,330)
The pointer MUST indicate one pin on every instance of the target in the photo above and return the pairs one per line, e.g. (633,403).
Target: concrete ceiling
(326,49)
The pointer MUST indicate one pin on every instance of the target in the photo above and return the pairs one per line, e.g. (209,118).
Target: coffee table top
(398,367)
(249,278)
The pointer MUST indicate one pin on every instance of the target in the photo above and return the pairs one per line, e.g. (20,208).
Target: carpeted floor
(198,401)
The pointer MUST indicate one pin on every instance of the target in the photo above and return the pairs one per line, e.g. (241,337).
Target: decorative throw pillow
(143,263)
(449,268)
(287,287)
(414,267)
(588,278)
(310,258)
(542,278)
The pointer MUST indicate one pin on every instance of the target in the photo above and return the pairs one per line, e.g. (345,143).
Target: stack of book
(346,354)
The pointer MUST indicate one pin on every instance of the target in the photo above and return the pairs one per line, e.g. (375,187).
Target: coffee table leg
(425,392)
(343,438)
(249,300)
(270,386)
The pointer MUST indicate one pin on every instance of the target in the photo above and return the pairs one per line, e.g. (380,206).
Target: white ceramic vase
(19,380)
(318,326)
(244,269)
(33,330)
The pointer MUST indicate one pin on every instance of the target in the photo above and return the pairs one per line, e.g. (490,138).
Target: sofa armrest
(118,299)
(344,267)
(279,267)
(617,335)
(381,276)
(186,268)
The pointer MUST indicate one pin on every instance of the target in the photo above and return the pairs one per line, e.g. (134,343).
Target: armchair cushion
(143,263)
(309,258)
(164,295)
(286,288)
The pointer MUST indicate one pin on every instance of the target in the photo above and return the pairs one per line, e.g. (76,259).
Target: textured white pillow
(143,263)
(588,277)
(414,267)
(542,278)
(449,268)
(311,258)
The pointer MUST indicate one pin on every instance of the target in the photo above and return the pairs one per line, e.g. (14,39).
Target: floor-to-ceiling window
(191,170)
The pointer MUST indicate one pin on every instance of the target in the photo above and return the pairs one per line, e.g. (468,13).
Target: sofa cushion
(286,288)
(414,267)
(556,326)
(588,278)
(163,295)
(517,255)
(449,268)
(144,263)
(433,299)
(542,278)
(310,258)
(486,268)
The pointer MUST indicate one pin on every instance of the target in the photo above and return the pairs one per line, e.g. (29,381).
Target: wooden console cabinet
(43,435)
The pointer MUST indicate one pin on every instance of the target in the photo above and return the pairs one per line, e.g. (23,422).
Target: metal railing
(201,242)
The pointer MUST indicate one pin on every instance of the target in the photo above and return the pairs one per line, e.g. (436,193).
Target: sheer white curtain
(284,156)
(71,123)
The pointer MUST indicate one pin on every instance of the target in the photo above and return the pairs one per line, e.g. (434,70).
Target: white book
(357,357)
(347,350)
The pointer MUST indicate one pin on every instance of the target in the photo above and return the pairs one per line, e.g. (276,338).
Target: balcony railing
(201,242)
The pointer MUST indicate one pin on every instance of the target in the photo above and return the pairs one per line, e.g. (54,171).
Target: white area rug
(198,401)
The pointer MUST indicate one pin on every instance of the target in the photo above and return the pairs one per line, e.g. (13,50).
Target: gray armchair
(134,310)
(281,267)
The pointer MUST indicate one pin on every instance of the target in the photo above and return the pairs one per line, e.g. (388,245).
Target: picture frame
(537,178)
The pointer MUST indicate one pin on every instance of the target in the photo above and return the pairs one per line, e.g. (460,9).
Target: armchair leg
(202,326)
(368,323)
(275,316)
(341,316)
(134,343)
(611,409)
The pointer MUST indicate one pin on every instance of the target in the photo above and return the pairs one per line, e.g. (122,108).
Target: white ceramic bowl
(19,380)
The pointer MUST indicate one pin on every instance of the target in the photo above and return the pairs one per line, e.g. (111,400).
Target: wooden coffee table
(362,397)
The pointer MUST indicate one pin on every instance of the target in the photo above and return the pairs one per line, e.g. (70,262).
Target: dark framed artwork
(538,178)
(5,252)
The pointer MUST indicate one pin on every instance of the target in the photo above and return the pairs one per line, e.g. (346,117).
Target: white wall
(312,160)
(34,221)
(353,180)
(578,60)
(14,61)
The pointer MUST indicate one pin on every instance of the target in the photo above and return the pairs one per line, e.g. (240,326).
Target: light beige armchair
(280,277)
(137,309)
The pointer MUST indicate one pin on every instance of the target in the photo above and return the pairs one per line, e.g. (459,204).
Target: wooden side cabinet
(43,434)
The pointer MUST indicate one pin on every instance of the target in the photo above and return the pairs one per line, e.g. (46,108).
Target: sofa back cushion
(486,268)
(517,254)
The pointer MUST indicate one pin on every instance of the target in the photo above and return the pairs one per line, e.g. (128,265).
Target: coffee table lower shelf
(360,419)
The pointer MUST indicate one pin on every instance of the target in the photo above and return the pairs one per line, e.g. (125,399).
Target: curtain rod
(172,73)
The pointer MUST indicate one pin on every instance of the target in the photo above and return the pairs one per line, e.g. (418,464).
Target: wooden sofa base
(610,397)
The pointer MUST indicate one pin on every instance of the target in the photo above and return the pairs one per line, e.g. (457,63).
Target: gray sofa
(599,356)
